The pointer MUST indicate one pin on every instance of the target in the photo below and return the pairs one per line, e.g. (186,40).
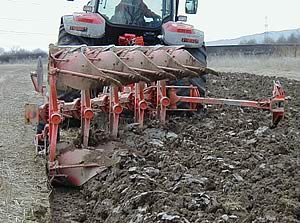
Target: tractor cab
(145,14)
(136,13)
(104,21)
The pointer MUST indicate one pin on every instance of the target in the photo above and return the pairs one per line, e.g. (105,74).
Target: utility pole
(266,35)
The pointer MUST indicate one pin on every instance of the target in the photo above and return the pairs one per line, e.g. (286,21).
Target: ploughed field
(223,166)
(23,191)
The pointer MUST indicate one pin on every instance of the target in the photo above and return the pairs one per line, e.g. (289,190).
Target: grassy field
(262,65)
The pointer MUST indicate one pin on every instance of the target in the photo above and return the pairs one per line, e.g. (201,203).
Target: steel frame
(137,79)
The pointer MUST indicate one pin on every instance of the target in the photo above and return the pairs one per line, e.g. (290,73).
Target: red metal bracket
(140,103)
(115,111)
(54,116)
(86,115)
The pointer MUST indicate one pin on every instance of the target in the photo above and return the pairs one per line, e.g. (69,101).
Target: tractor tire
(66,39)
(66,93)
(201,55)
(200,82)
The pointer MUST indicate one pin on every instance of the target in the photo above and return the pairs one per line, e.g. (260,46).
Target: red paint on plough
(138,82)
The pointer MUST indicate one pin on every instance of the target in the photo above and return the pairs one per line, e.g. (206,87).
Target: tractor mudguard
(178,33)
(90,25)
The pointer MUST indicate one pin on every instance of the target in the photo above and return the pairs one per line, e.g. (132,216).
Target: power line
(31,33)
(31,3)
(266,35)
(24,20)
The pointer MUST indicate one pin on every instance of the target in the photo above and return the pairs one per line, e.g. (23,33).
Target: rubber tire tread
(201,55)
(199,82)
(66,39)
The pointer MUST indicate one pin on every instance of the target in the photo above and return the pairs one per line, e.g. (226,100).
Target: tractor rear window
(141,13)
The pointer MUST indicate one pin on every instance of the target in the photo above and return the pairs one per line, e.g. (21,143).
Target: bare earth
(224,166)
(227,166)
(22,181)
(261,65)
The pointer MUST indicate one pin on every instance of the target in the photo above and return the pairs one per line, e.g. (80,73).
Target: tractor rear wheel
(200,82)
(66,39)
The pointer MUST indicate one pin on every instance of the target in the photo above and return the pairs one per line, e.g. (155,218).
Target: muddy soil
(223,166)
(23,191)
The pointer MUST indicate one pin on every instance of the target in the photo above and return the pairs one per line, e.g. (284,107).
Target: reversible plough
(131,79)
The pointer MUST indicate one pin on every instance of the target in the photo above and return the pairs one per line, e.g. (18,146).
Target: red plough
(132,79)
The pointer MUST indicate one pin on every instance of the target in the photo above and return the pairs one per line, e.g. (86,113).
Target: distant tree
(20,54)
(22,51)
(243,42)
(252,41)
(2,50)
(14,49)
(268,40)
(281,39)
(293,38)
(38,50)
(248,42)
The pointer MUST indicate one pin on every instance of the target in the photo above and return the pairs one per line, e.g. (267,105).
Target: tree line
(291,39)
(18,54)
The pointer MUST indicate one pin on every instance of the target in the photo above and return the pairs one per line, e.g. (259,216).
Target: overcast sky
(34,24)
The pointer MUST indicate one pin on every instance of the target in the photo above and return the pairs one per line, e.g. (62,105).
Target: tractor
(126,22)
(122,58)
